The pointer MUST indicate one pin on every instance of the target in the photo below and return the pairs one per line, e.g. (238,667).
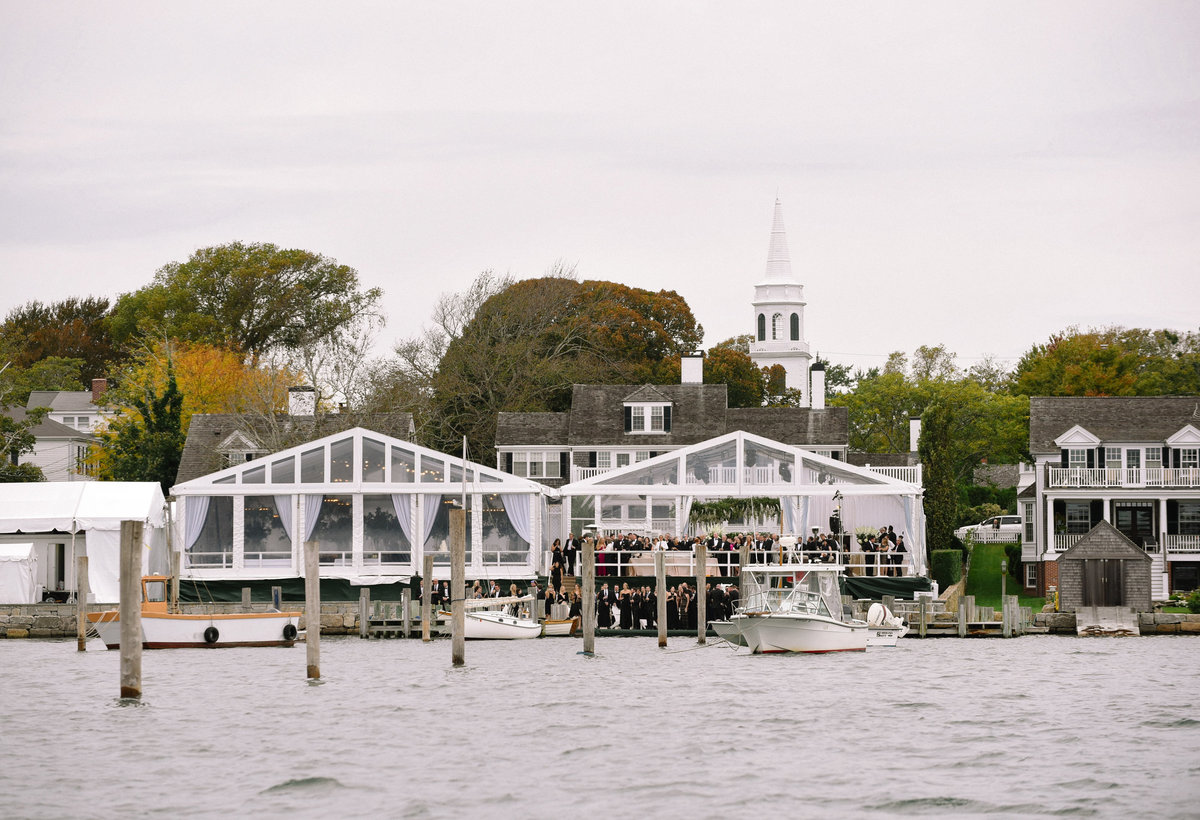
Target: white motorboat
(795,608)
(170,630)
(885,628)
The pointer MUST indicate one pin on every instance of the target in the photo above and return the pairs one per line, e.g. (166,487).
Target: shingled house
(615,425)
(1133,462)
(1104,568)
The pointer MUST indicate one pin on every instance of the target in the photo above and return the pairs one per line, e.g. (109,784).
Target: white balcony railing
(1086,477)
(1182,544)
(760,476)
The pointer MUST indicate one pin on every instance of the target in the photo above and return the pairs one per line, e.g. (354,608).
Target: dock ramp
(1106,621)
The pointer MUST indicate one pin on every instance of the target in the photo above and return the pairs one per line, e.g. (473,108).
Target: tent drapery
(517,508)
(403,509)
(432,505)
(312,511)
(283,506)
(193,521)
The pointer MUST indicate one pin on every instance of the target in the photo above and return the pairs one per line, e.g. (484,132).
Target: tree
(528,342)
(728,365)
(71,329)
(254,299)
(1112,361)
(839,378)
(17,439)
(146,444)
(52,373)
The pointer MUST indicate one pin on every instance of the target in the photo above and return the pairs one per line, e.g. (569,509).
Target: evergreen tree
(146,444)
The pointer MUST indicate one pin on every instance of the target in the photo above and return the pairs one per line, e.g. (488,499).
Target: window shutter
(628,418)
(762,327)
(667,419)
(1066,458)
(592,458)
(1166,457)
(508,463)
(1175,462)
(564,465)
(1091,456)
(1097,512)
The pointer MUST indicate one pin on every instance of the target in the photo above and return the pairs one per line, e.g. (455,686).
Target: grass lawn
(984,579)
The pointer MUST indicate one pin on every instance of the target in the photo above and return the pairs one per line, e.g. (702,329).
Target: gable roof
(47,428)
(647,393)
(207,433)
(64,401)
(1104,541)
(1150,419)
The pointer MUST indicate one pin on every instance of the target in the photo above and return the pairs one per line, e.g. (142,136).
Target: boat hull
(173,631)
(885,635)
(498,626)
(771,633)
(559,628)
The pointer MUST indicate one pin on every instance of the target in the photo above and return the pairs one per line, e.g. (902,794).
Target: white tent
(656,495)
(94,509)
(18,574)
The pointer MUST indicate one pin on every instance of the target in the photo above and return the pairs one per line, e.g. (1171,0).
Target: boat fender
(289,632)
(211,635)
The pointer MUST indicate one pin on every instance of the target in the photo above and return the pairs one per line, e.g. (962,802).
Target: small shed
(1104,569)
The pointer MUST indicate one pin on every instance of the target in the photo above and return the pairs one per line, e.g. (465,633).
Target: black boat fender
(289,632)
(211,635)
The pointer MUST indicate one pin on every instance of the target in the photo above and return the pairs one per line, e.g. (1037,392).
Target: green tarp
(876,587)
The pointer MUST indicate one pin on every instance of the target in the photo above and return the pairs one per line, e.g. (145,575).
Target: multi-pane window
(1189,457)
(1077,458)
(1189,517)
(1029,506)
(1153,458)
(1079,517)
(638,418)
(1133,459)
(1112,458)
(604,460)
(536,465)
(656,417)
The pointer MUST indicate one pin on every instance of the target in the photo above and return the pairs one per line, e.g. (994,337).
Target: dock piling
(660,580)
(589,596)
(364,612)
(81,596)
(406,618)
(701,593)
(426,597)
(458,552)
(131,609)
(312,608)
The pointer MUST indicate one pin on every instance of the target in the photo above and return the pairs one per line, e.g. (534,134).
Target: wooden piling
(458,554)
(81,596)
(701,593)
(245,599)
(364,612)
(312,607)
(131,609)
(743,559)
(923,616)
(962,618)
(426,597)
(589,596)
(173,560)
(406,618)
(660,578)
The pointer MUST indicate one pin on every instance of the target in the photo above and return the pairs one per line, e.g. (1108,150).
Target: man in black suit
(570,551)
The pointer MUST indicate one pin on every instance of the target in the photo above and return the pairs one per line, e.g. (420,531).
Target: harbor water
(1038,726)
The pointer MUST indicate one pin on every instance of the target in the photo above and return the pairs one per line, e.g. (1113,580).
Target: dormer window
(647,418)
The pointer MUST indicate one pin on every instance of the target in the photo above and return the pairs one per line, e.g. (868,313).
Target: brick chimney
(98,388)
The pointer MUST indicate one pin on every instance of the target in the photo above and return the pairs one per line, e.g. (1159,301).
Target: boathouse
(1104,569)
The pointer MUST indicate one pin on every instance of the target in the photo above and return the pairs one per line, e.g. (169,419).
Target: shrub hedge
(946,567)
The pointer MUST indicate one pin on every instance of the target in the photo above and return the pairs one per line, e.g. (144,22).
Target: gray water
(1028,727)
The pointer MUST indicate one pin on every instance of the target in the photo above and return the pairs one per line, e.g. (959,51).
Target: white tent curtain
(803,514)
(432,505)
(517,508)
(685,511)
(194,517)
(312,511)
(283,506)
(403,506)
(914,545)
(787,509)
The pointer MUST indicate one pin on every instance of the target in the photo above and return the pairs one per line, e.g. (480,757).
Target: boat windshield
(811,592)
(156,591)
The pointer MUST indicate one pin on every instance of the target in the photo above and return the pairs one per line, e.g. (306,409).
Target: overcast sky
(978,175)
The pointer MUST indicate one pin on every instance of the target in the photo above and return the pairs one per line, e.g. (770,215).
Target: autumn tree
(52,373)
(520,346)
(251,298)
(74,328)
(725,363)
(146,444)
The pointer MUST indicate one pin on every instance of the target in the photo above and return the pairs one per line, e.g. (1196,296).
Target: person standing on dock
(571,552)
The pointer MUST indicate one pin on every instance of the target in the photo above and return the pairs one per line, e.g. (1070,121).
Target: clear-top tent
(375,504)
(656,496)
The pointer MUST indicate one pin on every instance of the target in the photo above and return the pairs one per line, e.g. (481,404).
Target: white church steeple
(779,314)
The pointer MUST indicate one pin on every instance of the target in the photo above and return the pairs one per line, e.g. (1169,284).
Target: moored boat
(884,628)
(795,608)
(498,625)
(559,627)
(172,630)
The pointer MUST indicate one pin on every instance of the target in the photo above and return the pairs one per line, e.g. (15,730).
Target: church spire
(779,263)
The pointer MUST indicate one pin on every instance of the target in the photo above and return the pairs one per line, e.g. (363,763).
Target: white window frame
(637,419)
(1077,458)
(1112,458)
(603,460)
(1153,458)
(656,418)
(1189,458)
(1030,575)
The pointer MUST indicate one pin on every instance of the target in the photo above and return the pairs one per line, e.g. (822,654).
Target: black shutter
(1172,517)
(1066,458)
(667,419)
(628,418)
(508,463)
(1166,457)
(564,465)
(1097,514)
(1091,462)
(1175,462)
(592,458)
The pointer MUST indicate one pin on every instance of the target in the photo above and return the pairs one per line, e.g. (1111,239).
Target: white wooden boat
(559,627)
(170,630)
(498,625)
(884,628)
(795,608)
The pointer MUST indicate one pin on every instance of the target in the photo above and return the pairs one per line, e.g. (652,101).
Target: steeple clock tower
(779,315)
